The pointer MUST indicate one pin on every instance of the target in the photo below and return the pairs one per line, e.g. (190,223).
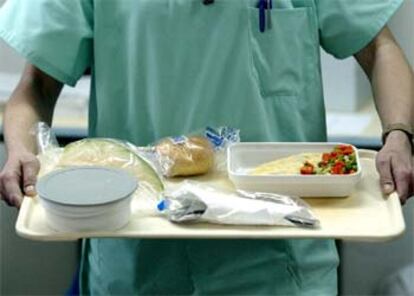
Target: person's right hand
(18,177)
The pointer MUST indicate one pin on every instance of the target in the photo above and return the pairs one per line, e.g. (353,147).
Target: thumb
(30,168)
(385,172)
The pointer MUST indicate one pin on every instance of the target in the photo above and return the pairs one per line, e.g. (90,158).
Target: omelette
(290,165)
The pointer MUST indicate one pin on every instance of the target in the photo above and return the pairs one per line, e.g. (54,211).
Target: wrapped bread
(185,156)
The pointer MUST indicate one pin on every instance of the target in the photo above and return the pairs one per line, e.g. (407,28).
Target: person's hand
(18,177)
(395,166)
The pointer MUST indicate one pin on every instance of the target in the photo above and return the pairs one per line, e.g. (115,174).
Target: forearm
(393,86)
(32,101)
(391,78)
(392,83)
(19,118)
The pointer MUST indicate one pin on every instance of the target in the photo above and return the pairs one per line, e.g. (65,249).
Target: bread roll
(189,157)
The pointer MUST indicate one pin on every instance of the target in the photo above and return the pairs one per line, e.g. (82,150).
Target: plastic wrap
(45,138)
(192,155)
(193,201)
(221,138)
(184,156)
(48,148)
(98,152)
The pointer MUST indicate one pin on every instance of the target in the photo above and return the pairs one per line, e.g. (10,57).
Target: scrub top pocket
(281,55)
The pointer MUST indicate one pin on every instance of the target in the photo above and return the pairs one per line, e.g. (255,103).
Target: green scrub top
(169,67)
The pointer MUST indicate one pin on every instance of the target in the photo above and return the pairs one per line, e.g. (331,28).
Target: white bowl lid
(86,186)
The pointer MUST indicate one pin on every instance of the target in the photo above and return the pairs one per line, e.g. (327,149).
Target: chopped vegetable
(326,157)
(340,161)
(307,169)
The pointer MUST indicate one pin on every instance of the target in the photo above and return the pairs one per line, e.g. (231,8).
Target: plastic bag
(99,152)
(193,201)
(194,154)
(48,148)
(222,138)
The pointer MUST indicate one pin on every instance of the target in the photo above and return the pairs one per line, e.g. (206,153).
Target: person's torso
(168,67)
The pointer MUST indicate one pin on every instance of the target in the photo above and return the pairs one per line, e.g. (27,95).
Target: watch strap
(407,129)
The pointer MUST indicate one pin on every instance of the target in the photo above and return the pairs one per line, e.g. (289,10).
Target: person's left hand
(395,166)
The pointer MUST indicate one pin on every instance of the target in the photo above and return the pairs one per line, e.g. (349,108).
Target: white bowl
(108,217)
(87,198)
(243,157)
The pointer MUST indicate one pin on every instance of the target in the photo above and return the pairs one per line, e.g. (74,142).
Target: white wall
(9,60)
(402,25)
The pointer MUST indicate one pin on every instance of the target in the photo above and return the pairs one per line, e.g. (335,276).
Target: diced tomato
(344,149)
(348,151)
(326,157)
(338,169)
(306,170)
(335,170)
(334,154)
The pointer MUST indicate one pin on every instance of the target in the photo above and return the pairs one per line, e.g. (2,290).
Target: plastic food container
(243,157)
(86,198)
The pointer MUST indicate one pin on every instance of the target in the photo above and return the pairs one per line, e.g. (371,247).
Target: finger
(30,169)
(402,178)
(11,190)
(386,177)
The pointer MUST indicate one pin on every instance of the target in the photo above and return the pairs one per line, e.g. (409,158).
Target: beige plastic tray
(366,215)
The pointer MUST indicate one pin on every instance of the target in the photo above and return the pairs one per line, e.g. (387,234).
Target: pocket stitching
(253,69)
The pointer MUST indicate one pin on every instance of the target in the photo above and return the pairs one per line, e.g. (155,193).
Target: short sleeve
(54,35)
(347,26)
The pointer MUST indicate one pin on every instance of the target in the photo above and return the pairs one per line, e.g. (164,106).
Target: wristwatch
(407,129)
